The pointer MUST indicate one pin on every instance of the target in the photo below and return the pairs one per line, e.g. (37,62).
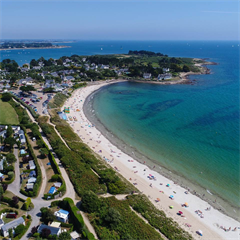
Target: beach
(197,215)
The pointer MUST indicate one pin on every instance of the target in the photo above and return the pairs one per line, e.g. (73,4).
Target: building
(11,225)
(166,70)
(1,162)
(32,174)
(74,235)
(31,165)
(32,180)
(52,190)
(29,186)
(147,75)
(1,223)
(62,215)
(22,137)
(57,185)
(164,76)
(54,230)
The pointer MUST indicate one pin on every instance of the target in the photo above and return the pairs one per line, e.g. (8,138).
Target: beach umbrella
(186,204)
(171,196)
(200,232)
(158,199)
(180,212)
(168,185)
(171,207)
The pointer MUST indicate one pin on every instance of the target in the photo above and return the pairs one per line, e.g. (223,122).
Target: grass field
(7,114)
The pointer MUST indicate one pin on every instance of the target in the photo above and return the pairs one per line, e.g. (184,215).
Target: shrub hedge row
(25,229)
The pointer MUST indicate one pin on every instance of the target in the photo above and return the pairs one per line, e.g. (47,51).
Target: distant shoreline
(53,47)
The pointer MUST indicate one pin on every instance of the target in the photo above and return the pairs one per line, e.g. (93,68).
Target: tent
(171,196)
(168,185)
(200,232)
(171,207)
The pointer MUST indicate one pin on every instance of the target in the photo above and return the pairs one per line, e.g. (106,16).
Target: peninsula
(28,45)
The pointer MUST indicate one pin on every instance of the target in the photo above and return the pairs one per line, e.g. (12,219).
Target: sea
(189,132)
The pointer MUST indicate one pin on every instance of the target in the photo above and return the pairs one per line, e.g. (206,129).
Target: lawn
(7,114)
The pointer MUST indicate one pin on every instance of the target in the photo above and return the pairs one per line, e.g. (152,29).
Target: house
(1,223)
(74,235)
(36,67)
(147,75)
(22,136)
(31,164)
(54,230)
(25,81)
(62,215)
(57,185)
(68,78)
(165,70)
(29,186)
(11,225)
(32,174)
(54,74)
(52,190)
(3,133)
(55,224)
(164,76)
(32,180)
(49,83)
(1,162)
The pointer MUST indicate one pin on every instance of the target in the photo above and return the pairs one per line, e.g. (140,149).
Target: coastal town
(62,179)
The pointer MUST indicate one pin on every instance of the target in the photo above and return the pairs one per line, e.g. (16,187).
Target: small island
(28,45)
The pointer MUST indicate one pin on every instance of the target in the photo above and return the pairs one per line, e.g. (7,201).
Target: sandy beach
(198,215)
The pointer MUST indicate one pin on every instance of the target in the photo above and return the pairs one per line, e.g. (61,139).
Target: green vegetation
(27,204)
(157,218)
(114,219)
(8,114)
(57,101)
(25,45)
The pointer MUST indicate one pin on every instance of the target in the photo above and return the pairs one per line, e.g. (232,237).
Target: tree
(40,143)
(1,192)
(10,141)
(113,217)
(33,63)
(34,230)
(15,200)
(10,232)
(186,68)
(11,158)
(43,152)
(10,175)
(27,88)
(9,131)
(90,202)
(19,229)
(65,236)
(45,232)
(47,215)
(6,97)
(4,186)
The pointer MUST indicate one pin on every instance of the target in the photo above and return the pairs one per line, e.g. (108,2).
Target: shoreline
(121,163)
(57,47)
(196,189)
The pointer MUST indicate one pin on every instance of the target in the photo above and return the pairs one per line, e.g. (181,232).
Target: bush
(20,228)
(6,97)
(11,158)
(26,205)
(10,175)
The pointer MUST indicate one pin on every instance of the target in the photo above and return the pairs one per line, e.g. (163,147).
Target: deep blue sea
(189,129)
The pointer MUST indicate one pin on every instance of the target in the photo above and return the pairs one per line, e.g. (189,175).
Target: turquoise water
(189,129)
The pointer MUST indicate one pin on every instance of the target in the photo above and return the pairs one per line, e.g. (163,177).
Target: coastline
(212,218)
(56,47)
(183,76)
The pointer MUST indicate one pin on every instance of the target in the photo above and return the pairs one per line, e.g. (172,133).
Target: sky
(120,20)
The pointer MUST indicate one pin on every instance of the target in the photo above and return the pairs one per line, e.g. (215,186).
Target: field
(7,114)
